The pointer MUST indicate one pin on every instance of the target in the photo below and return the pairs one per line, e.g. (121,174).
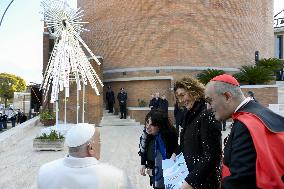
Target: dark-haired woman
(158,142)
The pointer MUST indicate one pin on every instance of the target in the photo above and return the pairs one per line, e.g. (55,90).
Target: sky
(21,37)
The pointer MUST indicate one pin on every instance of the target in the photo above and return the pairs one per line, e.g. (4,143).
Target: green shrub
(47,115)
(54,135)
(206,75)
(142,103)
(253,75)
(272,64)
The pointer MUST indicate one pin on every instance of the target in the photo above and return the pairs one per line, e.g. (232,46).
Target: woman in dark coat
(158,142)
(200,139)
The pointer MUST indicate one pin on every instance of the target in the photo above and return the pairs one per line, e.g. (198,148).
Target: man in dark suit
(110,99)
(164,104)
(5,120)
(1,121)
(151,103)
(122,98)
(156,101)
(253,152)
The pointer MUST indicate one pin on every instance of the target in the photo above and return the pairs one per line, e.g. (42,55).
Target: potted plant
(142,103)
(47,118)
(52,141)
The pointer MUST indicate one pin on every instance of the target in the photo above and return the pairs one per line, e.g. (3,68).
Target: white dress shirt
(244,102)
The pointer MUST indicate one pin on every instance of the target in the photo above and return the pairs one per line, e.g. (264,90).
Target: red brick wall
(46,55)
(185,33)
(141,90)
(139,115)
(265,96)
(214,33)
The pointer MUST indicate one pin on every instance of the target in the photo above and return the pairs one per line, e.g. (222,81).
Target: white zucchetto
(79,134)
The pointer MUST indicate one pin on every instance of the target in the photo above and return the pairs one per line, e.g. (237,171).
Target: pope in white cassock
(80,169)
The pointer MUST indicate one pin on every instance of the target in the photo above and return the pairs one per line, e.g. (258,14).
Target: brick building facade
(147,44)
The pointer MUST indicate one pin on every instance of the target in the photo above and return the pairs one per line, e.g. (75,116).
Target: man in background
(110,99)
(122,98)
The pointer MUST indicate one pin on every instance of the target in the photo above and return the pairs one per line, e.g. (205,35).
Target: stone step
(103,124)
(117,120)
(114,118)
(109,119)
(112,115)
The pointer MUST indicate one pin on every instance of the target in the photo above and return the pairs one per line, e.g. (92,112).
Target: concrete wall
(13,135)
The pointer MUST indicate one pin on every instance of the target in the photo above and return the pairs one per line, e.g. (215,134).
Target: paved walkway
(19,163)
(120,147)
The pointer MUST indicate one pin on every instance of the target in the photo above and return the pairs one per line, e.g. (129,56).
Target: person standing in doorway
(122,98)
(110,99)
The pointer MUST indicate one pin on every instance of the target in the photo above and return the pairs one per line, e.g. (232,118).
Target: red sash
(269,148)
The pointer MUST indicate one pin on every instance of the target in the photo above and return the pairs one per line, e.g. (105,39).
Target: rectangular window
(279,47)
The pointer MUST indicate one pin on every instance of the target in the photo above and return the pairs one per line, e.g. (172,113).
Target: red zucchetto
(226,78)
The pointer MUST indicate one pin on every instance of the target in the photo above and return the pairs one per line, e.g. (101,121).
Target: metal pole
(24,103)
(65,108)
(83,108)
(78,99)
(5,12)
(57,110)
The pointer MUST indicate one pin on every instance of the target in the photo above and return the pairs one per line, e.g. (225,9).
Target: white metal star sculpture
(67,57)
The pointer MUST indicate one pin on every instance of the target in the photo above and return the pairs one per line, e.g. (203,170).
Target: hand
(142,170)
(149,172)
(173,157)
(185,185)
